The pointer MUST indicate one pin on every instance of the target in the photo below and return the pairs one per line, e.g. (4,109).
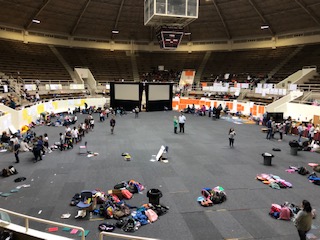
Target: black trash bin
(267,158)
(154,196)
(294,151)
(294,145)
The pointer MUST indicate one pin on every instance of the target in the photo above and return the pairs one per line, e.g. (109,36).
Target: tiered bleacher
(105,65)
(307,56)
(30,62)
(256,63)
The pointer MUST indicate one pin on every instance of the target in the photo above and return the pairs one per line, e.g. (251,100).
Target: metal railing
(27,219)
(122,236)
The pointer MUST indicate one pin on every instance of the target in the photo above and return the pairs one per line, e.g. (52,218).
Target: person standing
(311,132)
(303,220)
(269,126)
(112,124)
(175,124)
(136,112)
(281,129)
(182,121)
(300,132)
(16,148)
(218,111)
(232,134)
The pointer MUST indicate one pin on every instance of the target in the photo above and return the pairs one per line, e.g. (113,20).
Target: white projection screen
(159,92)
(126,92)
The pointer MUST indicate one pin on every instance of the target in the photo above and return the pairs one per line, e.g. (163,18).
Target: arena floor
(198,158)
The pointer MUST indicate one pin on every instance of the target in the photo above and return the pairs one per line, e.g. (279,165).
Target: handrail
(27,218)
(122,236)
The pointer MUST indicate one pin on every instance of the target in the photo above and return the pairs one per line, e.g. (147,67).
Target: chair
(83,149)
(86,200)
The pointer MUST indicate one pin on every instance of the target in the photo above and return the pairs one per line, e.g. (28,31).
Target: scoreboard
(169,38)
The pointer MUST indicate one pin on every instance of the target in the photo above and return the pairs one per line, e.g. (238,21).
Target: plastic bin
(154,196)
(294,151)
(267,159)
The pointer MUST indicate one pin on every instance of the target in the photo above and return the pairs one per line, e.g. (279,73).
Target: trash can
(294,145)
(154,196)
(294,151)
(267,158)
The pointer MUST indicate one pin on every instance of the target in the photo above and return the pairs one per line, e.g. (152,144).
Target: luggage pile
(112,206)
(211,196)
(284,211)
(273,181)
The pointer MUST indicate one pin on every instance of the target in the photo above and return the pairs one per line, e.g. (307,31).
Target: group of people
(17,143)
(284,127)
(215,112)
(179,121)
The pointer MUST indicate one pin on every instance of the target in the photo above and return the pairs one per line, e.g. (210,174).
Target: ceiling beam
(265,21)
(309,11)
(118,17)
(36,14)
(75,25)
(222,19)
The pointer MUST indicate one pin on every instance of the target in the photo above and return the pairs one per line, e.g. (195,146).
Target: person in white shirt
(24,146)
(67,129)
(182,121)
(311,133)
(37,97)
(75,135)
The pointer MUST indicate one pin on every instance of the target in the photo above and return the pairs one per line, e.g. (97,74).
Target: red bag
(126,194)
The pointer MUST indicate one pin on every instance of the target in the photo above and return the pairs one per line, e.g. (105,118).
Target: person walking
(232,134)
(112,124)
(182,121)
(16,148)
(303,220)
(175,124)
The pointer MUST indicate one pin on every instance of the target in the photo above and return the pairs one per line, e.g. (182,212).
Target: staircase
(203,64)
(65,64)
(287,59)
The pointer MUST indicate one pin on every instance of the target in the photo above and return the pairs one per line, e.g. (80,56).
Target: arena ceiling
(218,19)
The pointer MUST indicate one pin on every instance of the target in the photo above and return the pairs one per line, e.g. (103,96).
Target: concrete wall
(19,118)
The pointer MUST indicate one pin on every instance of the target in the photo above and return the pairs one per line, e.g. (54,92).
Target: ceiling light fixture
(187,33)
(36,21)
(264,27)
(115,31)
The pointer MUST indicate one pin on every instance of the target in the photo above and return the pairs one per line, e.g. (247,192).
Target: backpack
(218,197)
(152,216)
(12,170)
(126,194)
(129,225)
(303,171)
(142,218)
(121,185)
(106,227)
(285,213)
(316,168)
(5,172)
(160,209)
(275,210)
(139,187)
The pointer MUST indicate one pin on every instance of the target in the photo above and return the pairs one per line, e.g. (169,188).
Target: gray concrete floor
(198,158)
